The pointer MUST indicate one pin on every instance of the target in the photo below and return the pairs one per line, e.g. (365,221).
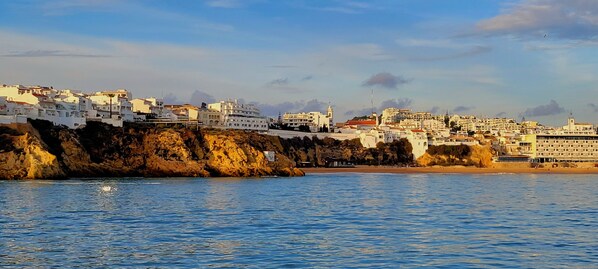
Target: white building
(150,105)
(36,103)
(409,124)
(236,115)
(574,142)
(454,140)
(433,125)
(562,147)
(208,117)
(113,106)
(316,121)
(371,138)
(393,115)
(417,138)
(386,134)
(573,127)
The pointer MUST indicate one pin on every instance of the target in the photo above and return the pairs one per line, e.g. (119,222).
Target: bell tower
(330,116)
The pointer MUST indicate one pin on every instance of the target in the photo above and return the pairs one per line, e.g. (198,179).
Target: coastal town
(510,141)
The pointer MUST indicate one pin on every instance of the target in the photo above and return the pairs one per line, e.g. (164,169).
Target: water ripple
(318,221)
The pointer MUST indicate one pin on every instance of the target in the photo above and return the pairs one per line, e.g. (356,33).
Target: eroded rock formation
(40,150)
(478,155)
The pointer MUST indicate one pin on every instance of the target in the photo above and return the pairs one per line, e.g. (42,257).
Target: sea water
(348,220)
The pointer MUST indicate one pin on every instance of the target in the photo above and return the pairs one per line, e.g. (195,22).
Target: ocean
(347,220)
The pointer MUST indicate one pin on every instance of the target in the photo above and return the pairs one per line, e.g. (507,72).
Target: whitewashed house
(36,103)
(112,107)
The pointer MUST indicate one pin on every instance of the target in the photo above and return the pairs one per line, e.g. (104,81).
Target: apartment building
(236,115)
(316,121)
(573,143)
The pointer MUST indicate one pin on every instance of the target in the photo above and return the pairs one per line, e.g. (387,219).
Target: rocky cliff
(317,151)
(40,150)
(479,156)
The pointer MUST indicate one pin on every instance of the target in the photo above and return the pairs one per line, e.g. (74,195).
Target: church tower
(330,116)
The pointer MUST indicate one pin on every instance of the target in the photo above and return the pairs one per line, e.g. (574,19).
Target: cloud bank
(199,97)
(552,108)
(461,109)
(396,103)
(385,80)
(567,19)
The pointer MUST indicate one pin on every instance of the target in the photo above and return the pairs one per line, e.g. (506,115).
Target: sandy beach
(451,169)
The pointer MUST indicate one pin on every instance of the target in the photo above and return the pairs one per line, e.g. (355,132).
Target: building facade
(316,121)
(236,115)
(393,115)
(36,102)
(574,142)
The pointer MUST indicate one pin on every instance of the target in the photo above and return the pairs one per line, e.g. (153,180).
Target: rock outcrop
(38,150)
(23,155)
(317,151)
(478,155)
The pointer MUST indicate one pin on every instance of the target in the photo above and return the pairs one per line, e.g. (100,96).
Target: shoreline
(450,170)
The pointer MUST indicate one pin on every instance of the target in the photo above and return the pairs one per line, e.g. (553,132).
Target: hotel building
(575,142)
(236,115)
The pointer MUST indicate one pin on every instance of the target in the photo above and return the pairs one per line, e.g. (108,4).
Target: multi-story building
(573,143)
(496,125)
(409,124)
(115,102)
(208,117)
(393,115)
(434,125)
(316,121)
(573,127)
(236,115)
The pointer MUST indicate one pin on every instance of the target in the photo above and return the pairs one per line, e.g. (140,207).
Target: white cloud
(568,19)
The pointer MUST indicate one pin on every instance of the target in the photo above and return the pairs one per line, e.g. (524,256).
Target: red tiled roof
(417,131)
(39,95)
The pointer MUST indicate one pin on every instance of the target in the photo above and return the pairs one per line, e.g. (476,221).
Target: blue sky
(532,58)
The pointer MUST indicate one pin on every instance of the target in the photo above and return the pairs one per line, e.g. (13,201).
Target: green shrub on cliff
(459,151)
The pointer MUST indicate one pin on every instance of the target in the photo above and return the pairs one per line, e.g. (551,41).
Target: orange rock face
(479,156)
(39,150)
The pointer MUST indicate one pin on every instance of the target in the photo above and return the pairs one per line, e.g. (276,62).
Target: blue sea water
(318,221)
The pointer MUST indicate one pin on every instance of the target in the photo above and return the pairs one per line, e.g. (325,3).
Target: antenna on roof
(372,101)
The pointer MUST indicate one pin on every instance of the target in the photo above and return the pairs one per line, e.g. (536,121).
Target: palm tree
(111,95)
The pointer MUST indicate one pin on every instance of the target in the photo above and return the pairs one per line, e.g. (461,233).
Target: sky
(536,59)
